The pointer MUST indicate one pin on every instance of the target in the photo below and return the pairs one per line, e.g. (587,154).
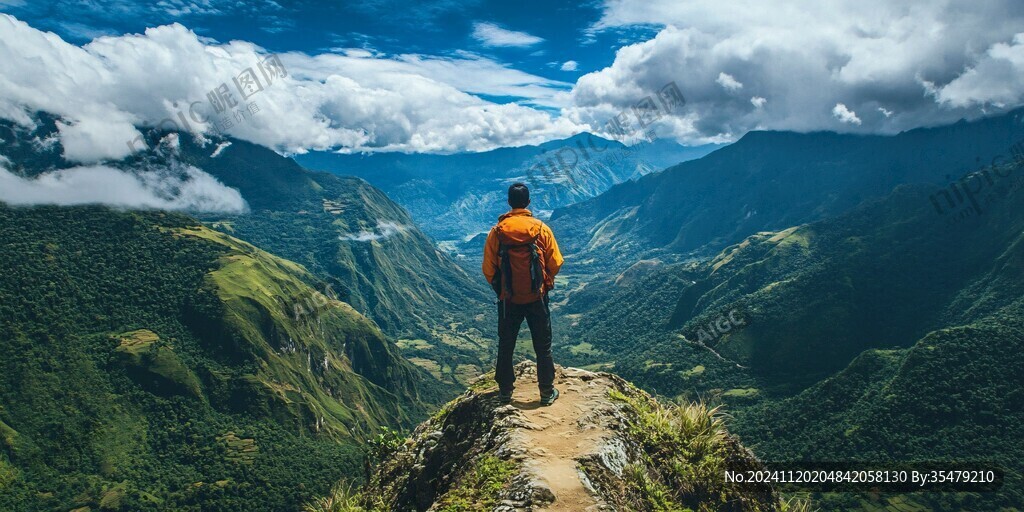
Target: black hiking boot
(550,398)
(504,397)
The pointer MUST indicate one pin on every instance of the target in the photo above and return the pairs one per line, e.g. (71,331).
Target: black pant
(538,318)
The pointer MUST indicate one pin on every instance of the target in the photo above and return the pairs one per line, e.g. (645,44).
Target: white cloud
(360,102)
(97,138)
(844,114)
(220,149)
(807,58)
(491,34)
(932,62)
(385,229)
(885,112)
(184,188)
(570,65)
(997,78)
(728,82)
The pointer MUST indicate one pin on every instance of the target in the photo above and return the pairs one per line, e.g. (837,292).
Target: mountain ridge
(153,362)
(459,195)
(364,247)
(603,444)
(768,181)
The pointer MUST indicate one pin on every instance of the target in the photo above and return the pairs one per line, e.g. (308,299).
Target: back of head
(518,195)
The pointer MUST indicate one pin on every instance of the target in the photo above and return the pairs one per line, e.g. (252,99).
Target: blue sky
(449,76)
(535,36)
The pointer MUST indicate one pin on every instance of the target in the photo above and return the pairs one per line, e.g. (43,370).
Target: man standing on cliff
(521,259)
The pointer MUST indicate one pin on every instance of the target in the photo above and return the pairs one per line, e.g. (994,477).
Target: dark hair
(518,195)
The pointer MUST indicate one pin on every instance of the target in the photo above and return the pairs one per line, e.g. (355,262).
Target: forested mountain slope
(769,181)
(892,332)
(365,248)
(152,363)
(454,197)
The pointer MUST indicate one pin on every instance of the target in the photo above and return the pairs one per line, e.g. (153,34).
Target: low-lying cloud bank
(182,188)
(385,229)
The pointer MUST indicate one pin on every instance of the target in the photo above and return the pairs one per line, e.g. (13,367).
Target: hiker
(521,259)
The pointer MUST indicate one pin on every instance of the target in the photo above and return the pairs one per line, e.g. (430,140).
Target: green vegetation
(342,498)
(361,247)
(768,181)
(476,491)
(691,440)
(741,393)
(888,334)
(353,238)
(152,364)
(382,445)
(149,360)
(950,397)
(479,487)
(584,349)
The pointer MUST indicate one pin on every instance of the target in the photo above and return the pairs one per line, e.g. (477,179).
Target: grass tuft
(342,498)
(479,488)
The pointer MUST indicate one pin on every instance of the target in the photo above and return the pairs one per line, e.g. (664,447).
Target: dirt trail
(560,434)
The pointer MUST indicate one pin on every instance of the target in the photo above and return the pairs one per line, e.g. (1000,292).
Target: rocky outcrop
(604,445)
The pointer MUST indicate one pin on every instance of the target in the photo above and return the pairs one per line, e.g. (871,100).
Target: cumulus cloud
(997,78)
(220,149)
(844,114)
(385,229)
(933,62)
(491,34)
(96,138)
(411,102)
(728,82)
(183,188)
(570,65)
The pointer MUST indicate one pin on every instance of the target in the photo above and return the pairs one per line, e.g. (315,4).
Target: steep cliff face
(604,445)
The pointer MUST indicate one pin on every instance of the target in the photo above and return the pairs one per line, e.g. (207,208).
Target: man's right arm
(490,266)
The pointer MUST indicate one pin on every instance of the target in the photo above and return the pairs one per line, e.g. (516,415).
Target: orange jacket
(520,225)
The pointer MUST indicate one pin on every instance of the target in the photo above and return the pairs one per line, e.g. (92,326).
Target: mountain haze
(454,197)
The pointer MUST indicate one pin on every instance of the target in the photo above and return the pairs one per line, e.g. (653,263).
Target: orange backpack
(521,259)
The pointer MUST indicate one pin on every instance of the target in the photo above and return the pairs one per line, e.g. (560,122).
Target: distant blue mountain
(773,180)
(454,197)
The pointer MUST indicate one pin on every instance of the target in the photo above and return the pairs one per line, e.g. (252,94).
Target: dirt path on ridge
(562,433)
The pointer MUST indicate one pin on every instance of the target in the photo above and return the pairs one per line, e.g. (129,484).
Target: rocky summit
(603,445)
